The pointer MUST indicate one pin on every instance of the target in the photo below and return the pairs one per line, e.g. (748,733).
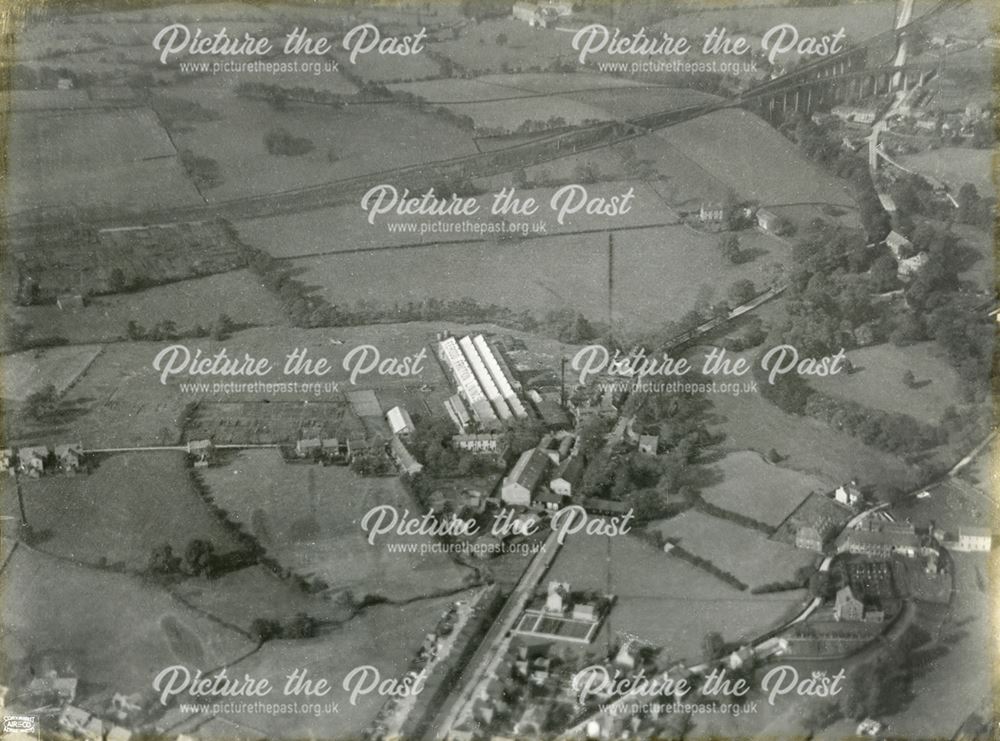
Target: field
(662,600)
(308,518)
(128,505)
(93,158)
(746,554)
(384,636)
(955,166)
(762,491)
(342,140)
(805,444)
(878,381)
(652,267)
(189,303)
(115,632)
(27,372)
(346,228)
(115,260)
(284,422)
(744,152)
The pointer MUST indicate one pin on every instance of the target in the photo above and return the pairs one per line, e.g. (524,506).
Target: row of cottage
(38,459)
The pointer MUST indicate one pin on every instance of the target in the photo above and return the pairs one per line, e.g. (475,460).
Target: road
(485,656)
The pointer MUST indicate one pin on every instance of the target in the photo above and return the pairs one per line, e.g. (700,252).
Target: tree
(163,561)
(302,626)
(41,403)
(741,291)
(222,327)
(134,331)
(264,629)
(501,39)
(908,379)
(713,646)
(199,557)
(729,245)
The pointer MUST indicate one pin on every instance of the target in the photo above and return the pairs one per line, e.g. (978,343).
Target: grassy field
(342,140)
(746,554)
(308,517)
(652,279)
(808,445)
(120,512)
(760,490)
(955,166)
(189,303)
(663,600)
(384,636)
(346,228)
(114,631)
(27,372)
(93,158)
(878,381)
(744,152)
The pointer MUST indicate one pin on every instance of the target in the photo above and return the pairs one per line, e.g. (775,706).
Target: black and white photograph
(498,370)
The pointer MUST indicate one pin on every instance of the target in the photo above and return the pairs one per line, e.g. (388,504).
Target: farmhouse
(6,459)
(550,500)
(711,213)
(78,721)
(809,538)
(69,456)
(201,451)
(399,421)
(767,220)
(568,477)
(520,484)
(64,688)
(557,446)
(648,444)
(404,459)
(117,733)
(555,596)
(308,446)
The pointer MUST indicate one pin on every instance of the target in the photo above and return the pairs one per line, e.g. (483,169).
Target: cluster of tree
(166,329)
(892,432)
(177,112)
(283,143)
(974,209)
(199,559)
(41,403)
(372,462)
(721,513)
(751,336)
(298,627)
(279,96)
(205,172)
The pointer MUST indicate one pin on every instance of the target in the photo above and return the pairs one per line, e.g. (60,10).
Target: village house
(201,451)
(649,444)
(31,461)
(711,213)
(6,459)
(519,486)
(64,688)
(881,545)
(898,244)
(400,422)
(77,721)
(404,459)
(557,445)
(910,266)
(848,494)
(555,597)
(481,443)
(70,302)
(972,539)
(849,609)
(117,733)
(125,706)
(550,500)
(809,538)
(888,202)
(567,477)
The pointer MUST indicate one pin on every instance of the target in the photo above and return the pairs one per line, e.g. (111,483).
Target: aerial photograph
(498,370)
